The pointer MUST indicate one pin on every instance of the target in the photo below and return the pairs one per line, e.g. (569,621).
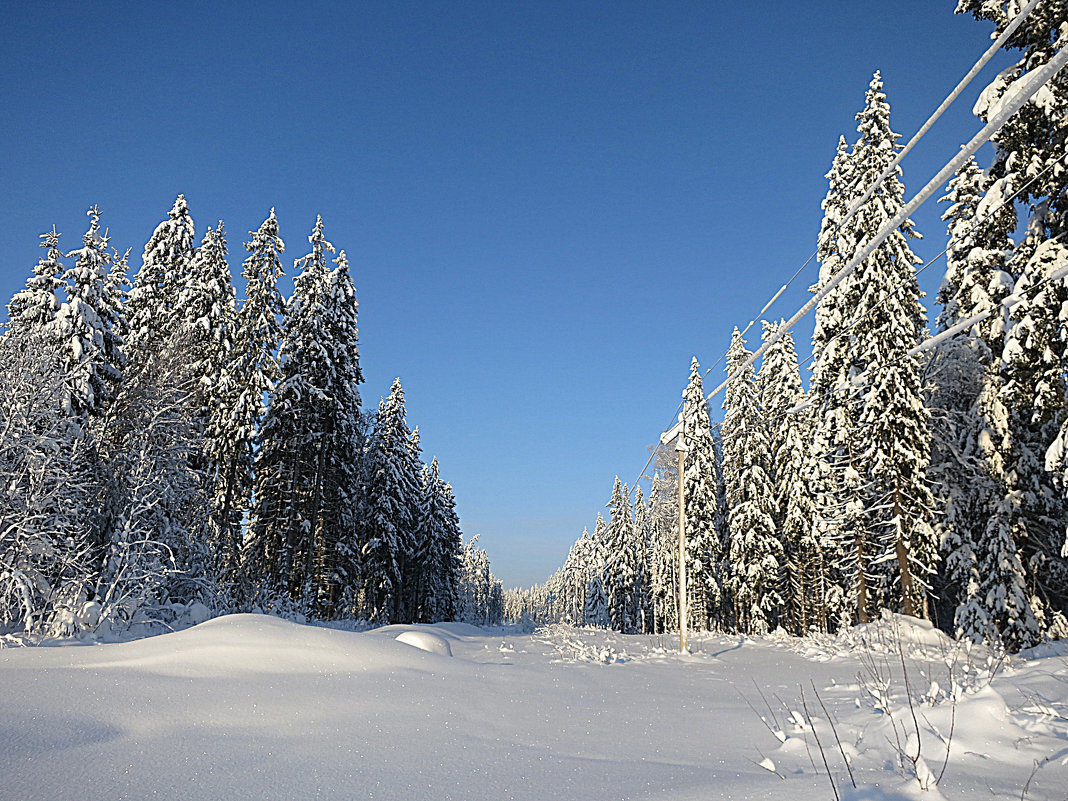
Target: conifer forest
(166,447)
(166,444)
(921,474)
(226,573)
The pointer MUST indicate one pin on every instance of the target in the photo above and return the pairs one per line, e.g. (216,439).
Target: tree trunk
(862,582)
(908,587)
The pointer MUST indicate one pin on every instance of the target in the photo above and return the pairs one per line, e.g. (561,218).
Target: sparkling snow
(253,707)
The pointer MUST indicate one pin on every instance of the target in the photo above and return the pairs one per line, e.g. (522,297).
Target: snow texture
(254,707)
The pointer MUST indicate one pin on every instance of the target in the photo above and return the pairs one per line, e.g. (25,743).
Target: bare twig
(771,712)
(949,742)
(772,769)
(823,753)
(1039,764)
(834,730)
(908,695)
(762,718)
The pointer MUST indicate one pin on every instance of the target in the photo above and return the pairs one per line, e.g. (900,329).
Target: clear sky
(548,206)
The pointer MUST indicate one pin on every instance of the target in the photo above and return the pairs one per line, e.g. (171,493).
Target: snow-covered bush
(47,484)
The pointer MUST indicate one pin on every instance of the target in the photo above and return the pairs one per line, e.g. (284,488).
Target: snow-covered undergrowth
(253,707)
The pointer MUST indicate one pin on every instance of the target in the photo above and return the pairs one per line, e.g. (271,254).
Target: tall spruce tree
(835,481)
(344,427)
(249,377)
(34,308)
(891,444)
(964,379)
(405,606)
(437,558)
(704,553)
(385,519)
(663,555)
(638,603)
(88,326)
(1033,364)
(162,280)
(1028,157)
(804,583)
(305,469)
(619,569)
(756,554)
(596,612)
(207,305)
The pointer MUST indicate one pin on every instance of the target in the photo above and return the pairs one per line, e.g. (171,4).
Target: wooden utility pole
(680,448)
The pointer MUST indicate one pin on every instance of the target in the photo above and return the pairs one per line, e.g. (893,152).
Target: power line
(652,452)
(976,224)
(1013,300)
(975,70)
(984,59)
(1019,93)
(1025,88)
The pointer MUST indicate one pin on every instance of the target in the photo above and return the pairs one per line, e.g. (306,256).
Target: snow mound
(892,633)
(251,643)
(459,629)
(913,630)
(426,641)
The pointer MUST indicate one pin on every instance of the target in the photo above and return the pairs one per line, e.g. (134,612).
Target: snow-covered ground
(253,707)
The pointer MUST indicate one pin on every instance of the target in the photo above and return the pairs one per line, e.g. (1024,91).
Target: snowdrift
(252,707)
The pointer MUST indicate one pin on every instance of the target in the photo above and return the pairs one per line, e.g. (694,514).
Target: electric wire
(1031,83)
(984,59)
(976,224)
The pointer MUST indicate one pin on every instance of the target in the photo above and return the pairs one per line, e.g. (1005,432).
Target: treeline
(165,445)
(929,482)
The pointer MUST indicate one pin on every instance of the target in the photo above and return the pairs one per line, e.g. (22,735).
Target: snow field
(253,707)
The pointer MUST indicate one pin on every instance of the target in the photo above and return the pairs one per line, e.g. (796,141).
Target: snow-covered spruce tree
(619,568)
(47,509)
(994,605)
(575,578)
(481,596)
(640,611)
(305,467)
(165,271)
(156,507)
(596,612)
(207,307)
(960,370)
(406,599)
(385,515)
(437,558)
(664,551)
(835,483)
(792,470)
(424,524)
(756,554)
(88,326)
(891,439)
(704,553)
(248,378)
(448,558)
(34,308)
(1033,365)
(1026,155)
(340,494)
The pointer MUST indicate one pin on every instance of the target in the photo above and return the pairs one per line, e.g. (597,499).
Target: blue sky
(548,206)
